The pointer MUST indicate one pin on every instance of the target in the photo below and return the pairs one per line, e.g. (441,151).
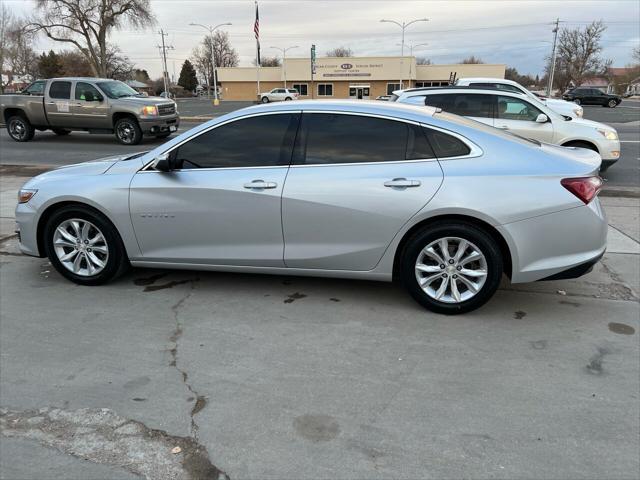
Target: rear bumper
(549,245)
(159,125)
(574,272)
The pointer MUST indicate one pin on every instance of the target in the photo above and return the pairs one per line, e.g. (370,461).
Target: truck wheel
(61,132)
(20,129)
(128,131)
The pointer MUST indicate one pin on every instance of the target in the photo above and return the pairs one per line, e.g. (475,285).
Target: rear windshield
(467,122)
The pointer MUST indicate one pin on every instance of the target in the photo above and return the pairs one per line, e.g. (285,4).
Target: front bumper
(547,245)
(26,228)
(159,125)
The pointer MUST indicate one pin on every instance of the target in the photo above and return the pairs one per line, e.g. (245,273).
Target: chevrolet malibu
(368,190)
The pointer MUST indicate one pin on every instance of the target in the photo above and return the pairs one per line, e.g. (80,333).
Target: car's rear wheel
(288,99)
(576,101)
(452,267)
(128,131)
(20,128)
(84,246)
(612,103)
(61,132)
(265,100)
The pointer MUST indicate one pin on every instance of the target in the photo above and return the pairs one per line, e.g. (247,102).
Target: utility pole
(552,69)
(164,49)
(211,29)
(411,47)
(403,26)
(284,61)
(313,67)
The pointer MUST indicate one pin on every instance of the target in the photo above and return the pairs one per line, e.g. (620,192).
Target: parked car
(559,106)
(592,96)
(369,190)
(385,98)
(279,95)
(515,113)
(95,105)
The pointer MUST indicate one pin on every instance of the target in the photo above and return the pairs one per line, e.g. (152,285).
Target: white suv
(279,95)
(562,107)
(515,113)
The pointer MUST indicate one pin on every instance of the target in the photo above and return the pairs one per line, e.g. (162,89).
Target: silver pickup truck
(94,105)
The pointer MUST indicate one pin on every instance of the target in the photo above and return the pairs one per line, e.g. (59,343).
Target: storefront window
(325,89)
(301,88)
(391,87)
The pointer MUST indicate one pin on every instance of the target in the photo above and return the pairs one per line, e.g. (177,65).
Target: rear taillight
(585,188)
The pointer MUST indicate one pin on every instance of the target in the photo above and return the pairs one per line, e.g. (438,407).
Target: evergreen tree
(50,65)
(188,79)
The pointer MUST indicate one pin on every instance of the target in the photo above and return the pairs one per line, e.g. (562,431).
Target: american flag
(256,30)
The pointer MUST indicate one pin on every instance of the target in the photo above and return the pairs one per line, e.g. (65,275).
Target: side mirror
(542,118)
(162,163)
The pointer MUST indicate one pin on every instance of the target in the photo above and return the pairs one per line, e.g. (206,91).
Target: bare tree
(471,60)
(578,55)
(340,52)
(17,57)
(6,25)
(423,61)
(635,54)
(87,24)
(268,62)
(225,54)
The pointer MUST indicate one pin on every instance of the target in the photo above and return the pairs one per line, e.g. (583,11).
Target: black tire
(128,131)
(117,262)
(577,101)
(612,103)
(61,132)
(466,231)
(20,128)
(264,99)
(288,99)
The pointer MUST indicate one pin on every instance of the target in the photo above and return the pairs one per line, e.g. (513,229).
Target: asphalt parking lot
(176,374)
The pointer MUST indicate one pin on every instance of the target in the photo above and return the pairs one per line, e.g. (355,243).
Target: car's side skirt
(304,272)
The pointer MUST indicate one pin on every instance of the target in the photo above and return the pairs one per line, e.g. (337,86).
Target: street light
(403,26)
(284,60)
(213,60)
(411,47)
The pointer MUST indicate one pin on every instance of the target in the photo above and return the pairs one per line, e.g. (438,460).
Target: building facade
(346,77)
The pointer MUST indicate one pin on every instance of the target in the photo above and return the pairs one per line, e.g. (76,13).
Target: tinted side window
(60,90)
(445,145)
(465,104)
(510,108)
(87,92)
(266,140)
(336,138)
(417,145)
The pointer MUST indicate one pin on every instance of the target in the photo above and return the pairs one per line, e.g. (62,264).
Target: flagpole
(256,30)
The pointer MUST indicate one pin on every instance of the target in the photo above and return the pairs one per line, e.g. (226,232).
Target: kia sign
(346,66)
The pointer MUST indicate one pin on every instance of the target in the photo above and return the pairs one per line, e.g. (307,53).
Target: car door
(476,106)
(519,116)
(89,108)
(57,103)
(221,205)
(355,181)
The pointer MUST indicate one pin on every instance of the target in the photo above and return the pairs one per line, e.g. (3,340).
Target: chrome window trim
(475,150)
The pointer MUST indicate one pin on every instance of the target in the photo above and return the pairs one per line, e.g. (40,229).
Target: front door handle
(503,127)
(402,183)
(260,185)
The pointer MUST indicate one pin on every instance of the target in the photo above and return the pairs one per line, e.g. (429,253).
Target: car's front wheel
(576,101)
(265,100)
(84,246)
(20,129)
(451,268)
(128,131)
(612,103)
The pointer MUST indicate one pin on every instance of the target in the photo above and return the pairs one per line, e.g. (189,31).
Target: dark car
(591,96)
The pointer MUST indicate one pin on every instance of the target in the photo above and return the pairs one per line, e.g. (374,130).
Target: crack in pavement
(200,400)
(102,436)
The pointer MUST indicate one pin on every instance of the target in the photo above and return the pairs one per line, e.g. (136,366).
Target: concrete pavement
(273,377)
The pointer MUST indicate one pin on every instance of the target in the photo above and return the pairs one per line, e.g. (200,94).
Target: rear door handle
(402,183)
(260,185)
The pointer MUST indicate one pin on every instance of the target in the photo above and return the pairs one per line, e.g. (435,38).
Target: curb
(196,119)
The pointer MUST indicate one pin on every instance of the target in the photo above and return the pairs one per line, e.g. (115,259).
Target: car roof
(504,81)
(92,79)
(373,107)
(482,90)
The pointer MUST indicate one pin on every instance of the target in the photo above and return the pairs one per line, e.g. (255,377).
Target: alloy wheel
(126,132)
(451,270)
(612,103)
(81,247)
(18,129)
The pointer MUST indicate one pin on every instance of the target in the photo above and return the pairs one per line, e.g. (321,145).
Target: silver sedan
(369,190)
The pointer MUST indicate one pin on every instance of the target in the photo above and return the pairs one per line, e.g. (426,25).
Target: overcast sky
(517,33)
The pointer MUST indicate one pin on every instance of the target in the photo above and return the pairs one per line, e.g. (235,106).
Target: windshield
(117,89)
(467,122)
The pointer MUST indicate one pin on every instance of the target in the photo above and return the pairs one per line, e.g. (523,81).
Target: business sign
(346,70)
